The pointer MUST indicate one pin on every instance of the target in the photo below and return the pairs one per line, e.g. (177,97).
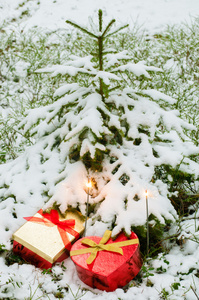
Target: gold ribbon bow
(94,247)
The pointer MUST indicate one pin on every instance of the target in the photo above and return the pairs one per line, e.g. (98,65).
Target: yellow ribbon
(94,247)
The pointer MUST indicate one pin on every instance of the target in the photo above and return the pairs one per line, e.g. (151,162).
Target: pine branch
(81,28)
(117,30)
(100,19)
(114,88)
(194,196)
(100,52)
(108,27)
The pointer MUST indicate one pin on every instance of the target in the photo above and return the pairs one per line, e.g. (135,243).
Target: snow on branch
(138,69)
(63,70)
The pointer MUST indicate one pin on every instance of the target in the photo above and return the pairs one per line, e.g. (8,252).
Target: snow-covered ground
(153,15)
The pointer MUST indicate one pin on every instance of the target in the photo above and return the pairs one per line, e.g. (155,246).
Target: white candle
(89,185)
(147,220)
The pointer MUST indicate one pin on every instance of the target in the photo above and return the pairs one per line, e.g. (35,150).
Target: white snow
(138,69)
(156,95)
(28,185)
(52,14)
(65,88)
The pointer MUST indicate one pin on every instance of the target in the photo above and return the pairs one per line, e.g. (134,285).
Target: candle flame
(146,193)
(89,184)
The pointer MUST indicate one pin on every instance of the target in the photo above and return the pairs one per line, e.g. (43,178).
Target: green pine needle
(108,27)
(117,30)
(81,28)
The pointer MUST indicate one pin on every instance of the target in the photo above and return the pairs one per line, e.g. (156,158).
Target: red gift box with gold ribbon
(47,238)
(107,264)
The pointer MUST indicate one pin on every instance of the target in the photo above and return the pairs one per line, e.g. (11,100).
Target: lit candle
(147,220)
(89,185)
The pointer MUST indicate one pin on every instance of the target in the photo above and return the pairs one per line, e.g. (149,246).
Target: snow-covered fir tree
(103,125)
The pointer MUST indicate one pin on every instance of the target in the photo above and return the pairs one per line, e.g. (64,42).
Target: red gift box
(107,264)
(46,238)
